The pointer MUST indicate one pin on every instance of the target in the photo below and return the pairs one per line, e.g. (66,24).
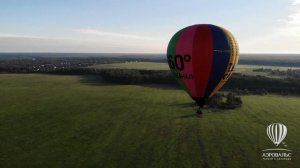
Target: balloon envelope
(202,57)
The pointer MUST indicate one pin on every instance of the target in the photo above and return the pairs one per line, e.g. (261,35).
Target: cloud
(296,2)
(74,43)
(292,27)
(83,40)
(41,37)
(113,34)
(19,36)
(284,38)
(2,35)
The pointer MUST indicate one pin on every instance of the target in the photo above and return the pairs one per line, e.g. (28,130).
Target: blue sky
(134,26)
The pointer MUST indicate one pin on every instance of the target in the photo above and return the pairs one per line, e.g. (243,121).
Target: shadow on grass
(204,109)
(187,116)
(192,112)
(94,80)
(187,104)
(98,80)
(162,86)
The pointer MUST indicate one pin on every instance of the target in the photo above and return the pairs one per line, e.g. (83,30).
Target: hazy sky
(143,25)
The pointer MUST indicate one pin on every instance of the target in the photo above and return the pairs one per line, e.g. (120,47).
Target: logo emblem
(276,132)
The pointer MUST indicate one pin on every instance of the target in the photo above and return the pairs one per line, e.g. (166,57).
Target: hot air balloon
(202,58)
(276,132)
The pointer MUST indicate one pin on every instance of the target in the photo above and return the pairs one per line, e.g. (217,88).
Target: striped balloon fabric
(202,57)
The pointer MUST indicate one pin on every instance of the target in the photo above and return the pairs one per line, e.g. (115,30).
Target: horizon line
(41,52)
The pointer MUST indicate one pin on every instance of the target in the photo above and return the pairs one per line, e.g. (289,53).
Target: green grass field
(133,65)
(70,121)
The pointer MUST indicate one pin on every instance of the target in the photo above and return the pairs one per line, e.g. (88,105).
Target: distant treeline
(270,62)
(52,64)
(78,66)
(242,84)
(261,85)
(294,73)
(289,60)
(130,76)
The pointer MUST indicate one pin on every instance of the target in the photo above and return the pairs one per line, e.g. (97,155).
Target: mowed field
(133,65)
(77,121)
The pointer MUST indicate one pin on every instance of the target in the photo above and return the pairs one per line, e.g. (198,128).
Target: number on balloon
(179,61)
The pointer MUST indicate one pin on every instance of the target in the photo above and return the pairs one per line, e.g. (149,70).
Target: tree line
(241,84)
(294,73)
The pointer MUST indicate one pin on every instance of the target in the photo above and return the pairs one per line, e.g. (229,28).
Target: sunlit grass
(64,121)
